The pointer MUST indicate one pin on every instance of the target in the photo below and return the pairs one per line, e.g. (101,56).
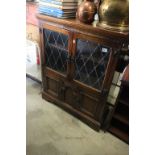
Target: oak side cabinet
(119,121)
(78,63)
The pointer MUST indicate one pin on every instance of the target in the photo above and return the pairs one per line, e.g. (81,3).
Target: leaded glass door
(56,50)
(91,59)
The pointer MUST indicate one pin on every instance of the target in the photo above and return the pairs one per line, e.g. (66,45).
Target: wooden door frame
(65,32)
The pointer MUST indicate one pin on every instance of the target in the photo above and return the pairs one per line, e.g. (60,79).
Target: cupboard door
(91,59)
(81,100)
(52,86)
(56,49)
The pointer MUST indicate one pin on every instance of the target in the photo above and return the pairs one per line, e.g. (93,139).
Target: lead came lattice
(56,50)
(90,63)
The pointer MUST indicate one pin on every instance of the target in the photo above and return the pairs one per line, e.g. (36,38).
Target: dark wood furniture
(119,124)
(78,63)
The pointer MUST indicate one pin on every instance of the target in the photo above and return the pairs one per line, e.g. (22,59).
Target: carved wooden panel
(52,86)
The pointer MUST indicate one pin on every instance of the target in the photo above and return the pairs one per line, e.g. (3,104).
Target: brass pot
(114,14)
(86,11)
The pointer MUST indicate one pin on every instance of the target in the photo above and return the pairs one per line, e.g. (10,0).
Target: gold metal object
(114,14)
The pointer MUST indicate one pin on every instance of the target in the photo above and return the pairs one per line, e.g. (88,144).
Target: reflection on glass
(56,45)
(90,63)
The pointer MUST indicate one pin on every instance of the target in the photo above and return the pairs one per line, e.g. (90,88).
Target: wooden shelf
(119,133)
(124,95)
(123,102)
(119,123)
(121,118)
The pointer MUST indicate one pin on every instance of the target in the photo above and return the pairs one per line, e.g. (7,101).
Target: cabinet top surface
(75,24)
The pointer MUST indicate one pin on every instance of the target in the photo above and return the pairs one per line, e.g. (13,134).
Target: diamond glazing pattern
(90,63)
(56,50)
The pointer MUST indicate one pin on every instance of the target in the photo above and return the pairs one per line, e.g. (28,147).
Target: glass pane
(90,63)
(56,45)
(57,39)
